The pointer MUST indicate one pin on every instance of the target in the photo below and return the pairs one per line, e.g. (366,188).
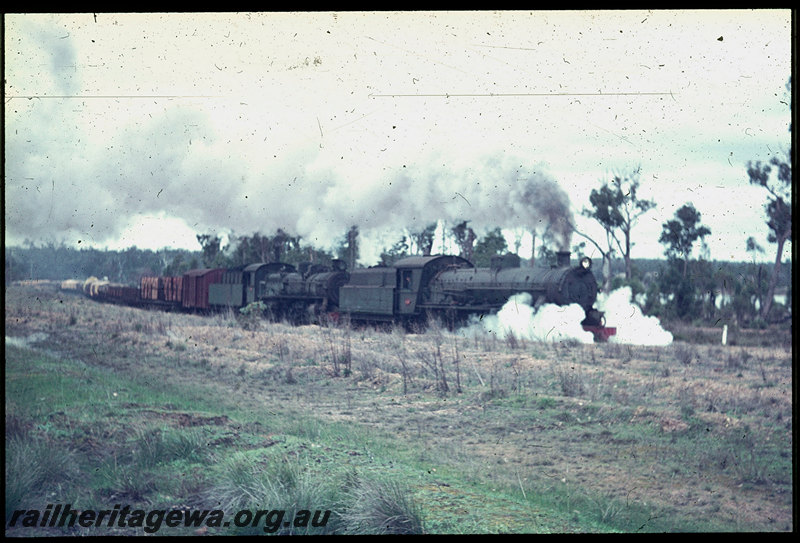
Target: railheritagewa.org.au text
(271,520)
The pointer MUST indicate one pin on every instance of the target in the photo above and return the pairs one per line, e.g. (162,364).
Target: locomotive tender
(409,291)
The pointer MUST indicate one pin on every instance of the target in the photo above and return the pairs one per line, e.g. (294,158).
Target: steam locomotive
(409,291)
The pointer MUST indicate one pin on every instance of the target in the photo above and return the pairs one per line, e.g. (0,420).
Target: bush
(252,314)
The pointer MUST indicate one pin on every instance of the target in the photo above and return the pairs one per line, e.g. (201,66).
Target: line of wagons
(409,291)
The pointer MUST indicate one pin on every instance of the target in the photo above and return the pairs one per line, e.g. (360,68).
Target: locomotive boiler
(451,287)
(486,289)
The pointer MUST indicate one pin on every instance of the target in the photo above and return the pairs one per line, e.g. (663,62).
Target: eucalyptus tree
(617,207)
(778,210)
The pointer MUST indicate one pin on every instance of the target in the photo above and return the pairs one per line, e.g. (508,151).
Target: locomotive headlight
(586,262)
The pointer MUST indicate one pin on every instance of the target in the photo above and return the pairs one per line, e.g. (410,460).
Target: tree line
(57,262)
(681,287)
(677,287)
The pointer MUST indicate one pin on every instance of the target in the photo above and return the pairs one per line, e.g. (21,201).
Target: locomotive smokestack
(562,259)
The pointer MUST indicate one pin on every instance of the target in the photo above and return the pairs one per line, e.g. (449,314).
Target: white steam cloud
(548,323)
(554,323)
(633,327)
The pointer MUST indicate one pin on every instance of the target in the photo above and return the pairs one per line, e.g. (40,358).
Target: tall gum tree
(778,210)
(778,207)
(617,207)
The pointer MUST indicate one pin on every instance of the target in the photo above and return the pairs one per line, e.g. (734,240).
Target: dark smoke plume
(550,204)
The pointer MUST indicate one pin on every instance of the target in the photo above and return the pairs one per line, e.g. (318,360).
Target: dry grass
(607,420)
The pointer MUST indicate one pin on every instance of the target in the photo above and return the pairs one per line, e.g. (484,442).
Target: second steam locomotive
(409,291)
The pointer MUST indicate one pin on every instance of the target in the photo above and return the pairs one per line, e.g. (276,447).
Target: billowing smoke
(172,166)
(553,323)
(223,161)
(80,169)
(487,191)
(633,327)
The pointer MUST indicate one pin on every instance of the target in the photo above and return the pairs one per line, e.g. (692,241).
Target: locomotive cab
(407,293)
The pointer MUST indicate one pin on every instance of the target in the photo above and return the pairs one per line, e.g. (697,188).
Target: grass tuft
(379,506)
(36,471)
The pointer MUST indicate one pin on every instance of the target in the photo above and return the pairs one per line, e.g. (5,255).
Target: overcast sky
(146,129)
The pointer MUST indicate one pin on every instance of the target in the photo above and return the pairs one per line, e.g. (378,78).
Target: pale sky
(148,128)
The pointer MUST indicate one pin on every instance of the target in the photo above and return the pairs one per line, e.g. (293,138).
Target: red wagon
(196,285)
